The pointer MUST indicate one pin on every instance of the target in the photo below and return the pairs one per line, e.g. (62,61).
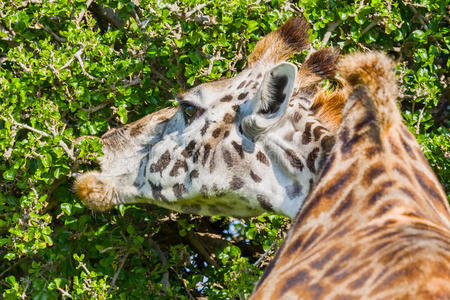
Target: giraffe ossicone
(230,148)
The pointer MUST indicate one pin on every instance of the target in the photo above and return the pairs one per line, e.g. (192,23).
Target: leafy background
(69,70)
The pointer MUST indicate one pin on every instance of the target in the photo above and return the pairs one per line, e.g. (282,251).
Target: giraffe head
(231,147)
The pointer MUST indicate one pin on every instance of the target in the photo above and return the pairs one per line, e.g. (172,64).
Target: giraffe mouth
(95,193)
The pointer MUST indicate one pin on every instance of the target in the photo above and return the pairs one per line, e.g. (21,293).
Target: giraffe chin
(94,193)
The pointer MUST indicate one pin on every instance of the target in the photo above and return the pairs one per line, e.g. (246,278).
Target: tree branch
(330,29)
(162,257)
(116,275)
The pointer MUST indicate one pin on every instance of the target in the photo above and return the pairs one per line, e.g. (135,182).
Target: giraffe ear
(275,90)
(271,99)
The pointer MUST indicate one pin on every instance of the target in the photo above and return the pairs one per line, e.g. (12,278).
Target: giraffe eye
(189,111)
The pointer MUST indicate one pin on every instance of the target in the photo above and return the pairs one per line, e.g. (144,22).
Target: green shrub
(69,72)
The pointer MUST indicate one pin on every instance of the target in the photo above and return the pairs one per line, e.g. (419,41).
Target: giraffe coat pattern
(371,221)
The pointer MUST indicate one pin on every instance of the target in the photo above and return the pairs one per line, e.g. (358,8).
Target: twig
(42,133)
(52,33)
(80,60)
(116,275)
(197,8)
(184,284)
(97,107)
(14,122)
(420,119)
(265,254)
(72,59)
(64,292)
(81,15)
(330,29)
(162,257)
(420,17)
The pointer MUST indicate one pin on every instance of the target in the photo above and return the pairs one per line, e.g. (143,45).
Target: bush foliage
(69,70)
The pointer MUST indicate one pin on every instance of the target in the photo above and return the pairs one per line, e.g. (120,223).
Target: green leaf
(66,208)
(9,174)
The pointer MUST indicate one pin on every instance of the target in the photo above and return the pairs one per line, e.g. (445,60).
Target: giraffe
(270,139)
(230,146)
(376,225)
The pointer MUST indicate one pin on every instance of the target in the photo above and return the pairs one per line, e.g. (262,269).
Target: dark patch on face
(427,185)
(327,143)
(311,184)
(358,283)
(294,190)
(216,132)
(250,82)
(143,165)
(189,149)
(264,202)
(241,85)
(310,161)
(238,148)
(204,128)
(408,192)
(319,263)
(262,158)
(296,117)
(178,164)
(227,158)
(242,96)
(226,98)
(294,160)
(255,177)
(345,205)
(299,278)
(226,134)
(236,183)
(255,86)
(196,155)
(228,118)
(289,136)
(193,174)
(207,150)
(341,182)
(372,173)
(157,192)
(212,162)
(318,131)
(179,189)
(162,163)
(258,76)
(204,191)
(408,149)
(136,129)
(306,138)
(235,107)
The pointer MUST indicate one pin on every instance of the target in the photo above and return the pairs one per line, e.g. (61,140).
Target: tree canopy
(70,70)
